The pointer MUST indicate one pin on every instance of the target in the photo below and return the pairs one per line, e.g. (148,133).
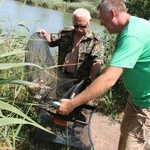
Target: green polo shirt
(133,54)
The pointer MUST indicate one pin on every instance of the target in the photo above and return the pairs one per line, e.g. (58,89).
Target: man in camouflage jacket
(90,51)
(80,49)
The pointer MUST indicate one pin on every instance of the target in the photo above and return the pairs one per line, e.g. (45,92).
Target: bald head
(82,12)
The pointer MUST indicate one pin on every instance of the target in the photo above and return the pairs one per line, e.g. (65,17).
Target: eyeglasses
(81,26)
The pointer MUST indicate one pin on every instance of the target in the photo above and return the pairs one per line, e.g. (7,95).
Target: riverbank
(65,6)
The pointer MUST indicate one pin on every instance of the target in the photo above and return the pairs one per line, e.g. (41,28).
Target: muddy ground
(105,132)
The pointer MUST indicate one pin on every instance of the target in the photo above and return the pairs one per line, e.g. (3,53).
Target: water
(33,17)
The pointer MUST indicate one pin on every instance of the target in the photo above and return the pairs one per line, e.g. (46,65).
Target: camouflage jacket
(90,50)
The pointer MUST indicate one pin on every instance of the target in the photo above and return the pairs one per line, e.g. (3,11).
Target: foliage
(15,109)
(72,1)
(67,5)
(109,43)
(139,8)
(70,7)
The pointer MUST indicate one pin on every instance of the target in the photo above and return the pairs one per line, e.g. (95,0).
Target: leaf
(11,53)
(11,65)
(20,82)
(10,121)
(25,120)
(6,106)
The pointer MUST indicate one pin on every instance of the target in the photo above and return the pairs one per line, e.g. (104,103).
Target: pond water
(33,17)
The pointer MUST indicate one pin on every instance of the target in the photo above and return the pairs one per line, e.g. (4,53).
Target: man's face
(106,20)
(81,25)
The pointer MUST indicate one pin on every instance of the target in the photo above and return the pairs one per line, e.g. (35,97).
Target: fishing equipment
(72,129)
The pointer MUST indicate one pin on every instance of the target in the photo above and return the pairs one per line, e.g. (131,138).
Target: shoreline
(65,6)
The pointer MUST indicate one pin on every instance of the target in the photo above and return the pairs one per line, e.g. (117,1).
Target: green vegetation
(68,6)
(139,8)
(135,7)
(16,107)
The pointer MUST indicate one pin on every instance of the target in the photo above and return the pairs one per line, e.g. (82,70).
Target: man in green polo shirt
(131,60)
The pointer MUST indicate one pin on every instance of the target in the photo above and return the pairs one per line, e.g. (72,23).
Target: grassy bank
(65,6)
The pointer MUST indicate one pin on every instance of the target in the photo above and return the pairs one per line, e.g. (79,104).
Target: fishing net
(49,77)
(72,129)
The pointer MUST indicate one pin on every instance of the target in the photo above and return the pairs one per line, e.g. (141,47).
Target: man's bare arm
(95,71)
(97,88)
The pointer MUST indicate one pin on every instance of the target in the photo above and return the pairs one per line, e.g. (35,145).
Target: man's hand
(44,33)
(66,107)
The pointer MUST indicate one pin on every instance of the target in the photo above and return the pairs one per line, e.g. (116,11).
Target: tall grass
(15,109)
(18,116)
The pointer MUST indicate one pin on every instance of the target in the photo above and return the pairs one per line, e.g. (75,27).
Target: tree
(139,8)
